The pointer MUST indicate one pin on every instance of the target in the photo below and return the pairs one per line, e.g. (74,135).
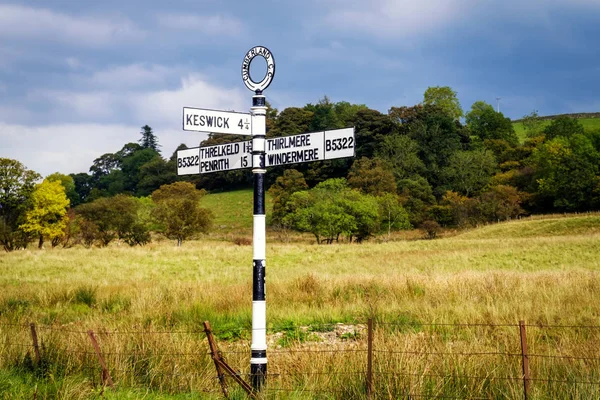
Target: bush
(242,241)
(431,229)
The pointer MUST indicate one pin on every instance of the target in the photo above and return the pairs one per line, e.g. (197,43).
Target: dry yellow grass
(495,275)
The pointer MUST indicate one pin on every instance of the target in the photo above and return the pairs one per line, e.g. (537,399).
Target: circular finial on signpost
(258,51)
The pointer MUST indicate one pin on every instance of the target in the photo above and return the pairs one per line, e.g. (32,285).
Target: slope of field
(589,124)
(540,226)
(233,210)
(543,271)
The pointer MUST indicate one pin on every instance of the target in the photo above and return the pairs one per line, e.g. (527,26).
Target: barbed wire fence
(374,359)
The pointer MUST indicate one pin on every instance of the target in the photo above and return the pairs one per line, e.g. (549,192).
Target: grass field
(544,271)
(589,124)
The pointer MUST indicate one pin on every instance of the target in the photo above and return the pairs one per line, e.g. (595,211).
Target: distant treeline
(416,166)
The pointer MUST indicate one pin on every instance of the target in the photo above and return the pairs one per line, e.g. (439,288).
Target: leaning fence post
(369,358)
(214,353)
(106,378)
(525,359)
(36,347)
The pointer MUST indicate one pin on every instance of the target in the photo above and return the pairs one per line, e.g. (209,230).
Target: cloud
(66,148)
(72,148)
(393,18)
(413,20)
(208,24)
(166,106)
(133,75)
(134,93)
(43,24)
(102,121)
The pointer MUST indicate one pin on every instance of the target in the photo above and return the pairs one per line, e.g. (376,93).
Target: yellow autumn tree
(47,216)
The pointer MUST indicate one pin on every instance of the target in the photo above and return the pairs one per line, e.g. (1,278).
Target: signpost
(258,154)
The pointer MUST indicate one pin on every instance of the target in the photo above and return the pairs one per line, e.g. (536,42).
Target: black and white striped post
(258,358)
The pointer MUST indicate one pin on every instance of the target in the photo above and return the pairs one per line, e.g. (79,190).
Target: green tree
(84,183)
(371,127)
(485,123)
(153,174)
(16,185)
(401,153)
(470,171)
(114,217)
(47,217)
(291,121)
(331,209)
(438,137)
(104,165)
(567,172)
(69,184)
(149,139)
(324,115)
(371,176)
(282,190)
(445,98)
(392,214)
(563,126)
(179,212)
(417,197)
(533,124)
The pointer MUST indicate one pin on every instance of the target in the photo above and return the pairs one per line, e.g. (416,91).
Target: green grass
(589,124)
(542,270)
(233,210)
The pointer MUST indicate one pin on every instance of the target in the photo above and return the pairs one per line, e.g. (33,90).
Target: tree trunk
(41,242)
(179,240)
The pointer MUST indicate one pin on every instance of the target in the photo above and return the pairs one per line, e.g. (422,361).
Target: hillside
(590,121)
(538,226)
(233,210)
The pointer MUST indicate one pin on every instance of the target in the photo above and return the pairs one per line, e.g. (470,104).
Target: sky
(78,79)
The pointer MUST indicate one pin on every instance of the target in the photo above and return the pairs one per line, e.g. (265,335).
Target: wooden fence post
(525,360)
(221,365)
(370,358)
(36,347)
(214,353)
(106,378)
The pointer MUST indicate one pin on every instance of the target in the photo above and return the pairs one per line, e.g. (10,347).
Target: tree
(16,185)
(371,176)
(392,214)
(178,211)
(567,172)
(563,126)
(485,123)
(324,115)
(501,202)
(47,217)
(401,153)
(438,137)
(149,139)
(69,184)
(469,171)
(153,174)
(445,98)
(533,124)
(331,209)
(371,127)
(282,190)
(417,197)
(104,164)
(291,121)
(84,183)
(112,217)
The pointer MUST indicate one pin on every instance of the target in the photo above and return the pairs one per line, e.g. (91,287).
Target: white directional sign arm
(214,121)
